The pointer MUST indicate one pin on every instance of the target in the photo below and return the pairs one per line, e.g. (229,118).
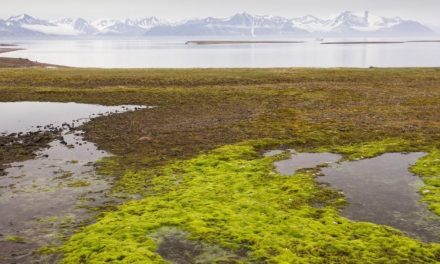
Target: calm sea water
(173,53)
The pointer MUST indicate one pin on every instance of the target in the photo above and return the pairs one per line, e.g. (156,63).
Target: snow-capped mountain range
(346,24)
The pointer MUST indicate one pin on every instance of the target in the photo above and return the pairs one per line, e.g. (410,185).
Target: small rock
(145,139)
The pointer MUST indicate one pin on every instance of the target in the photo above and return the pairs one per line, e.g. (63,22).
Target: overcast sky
(426,11)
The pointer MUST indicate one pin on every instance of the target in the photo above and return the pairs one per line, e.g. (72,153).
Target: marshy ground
(195,162)
(45,195)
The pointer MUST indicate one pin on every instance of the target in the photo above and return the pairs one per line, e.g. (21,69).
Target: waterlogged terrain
(303,161)
(380,190)
(47,195)
(204,189)
(231,198)
(44,198)
(383,190)
(23,117)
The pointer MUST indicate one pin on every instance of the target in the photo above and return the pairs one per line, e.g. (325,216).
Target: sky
(425,11)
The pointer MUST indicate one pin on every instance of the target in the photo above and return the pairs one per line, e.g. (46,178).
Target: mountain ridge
(345,24)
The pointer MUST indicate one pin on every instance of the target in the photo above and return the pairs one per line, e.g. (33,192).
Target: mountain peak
(345,24)
(307,19)
(244,14)
(25,19)
(22,18)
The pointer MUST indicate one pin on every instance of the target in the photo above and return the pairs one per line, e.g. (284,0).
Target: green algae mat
(197,187)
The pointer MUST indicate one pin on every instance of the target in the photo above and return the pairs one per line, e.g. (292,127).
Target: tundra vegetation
(194,162)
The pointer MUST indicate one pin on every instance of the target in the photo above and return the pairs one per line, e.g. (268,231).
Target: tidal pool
(44,198)
(299,161)
(176,246)
(22,117)
(382,190)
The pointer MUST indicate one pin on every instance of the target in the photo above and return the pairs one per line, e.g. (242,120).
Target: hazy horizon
(424,11)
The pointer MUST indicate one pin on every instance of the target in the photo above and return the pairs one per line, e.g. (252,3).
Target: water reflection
(41,197)
(18,117)
(172,52)
(383,191)
(299,161)
(379,190)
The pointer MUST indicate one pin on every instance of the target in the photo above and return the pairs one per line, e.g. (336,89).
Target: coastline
(21,62)
(5,50)
(225,42)
(361,42)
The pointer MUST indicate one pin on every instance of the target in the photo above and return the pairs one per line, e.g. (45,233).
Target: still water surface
(26,117)
(381,190)
(174,53)
(49,195)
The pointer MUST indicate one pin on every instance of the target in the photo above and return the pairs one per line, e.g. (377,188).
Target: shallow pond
(383,191)
(18,117)
(380,190)
(45,197)
(299,161)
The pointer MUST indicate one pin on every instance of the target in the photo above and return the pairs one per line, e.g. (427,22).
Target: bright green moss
(78,184)
(15,239)
(48,250)
(231,197)
(428,168)
(372,149)
(199,110)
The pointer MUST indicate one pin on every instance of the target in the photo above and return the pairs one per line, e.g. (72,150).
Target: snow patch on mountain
(345,24)
(63,30)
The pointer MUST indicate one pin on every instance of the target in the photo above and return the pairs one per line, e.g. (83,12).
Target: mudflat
(4,50)
(19,62)
(23,63)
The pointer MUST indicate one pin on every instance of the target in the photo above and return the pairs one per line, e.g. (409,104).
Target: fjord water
(174,53)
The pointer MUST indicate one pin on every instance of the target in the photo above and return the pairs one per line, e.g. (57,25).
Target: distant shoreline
(422,41)
(223,42)
(10,62)
(8,45)
(363,42)
(20,62)
(380,42)
(4,50)
(226,42)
